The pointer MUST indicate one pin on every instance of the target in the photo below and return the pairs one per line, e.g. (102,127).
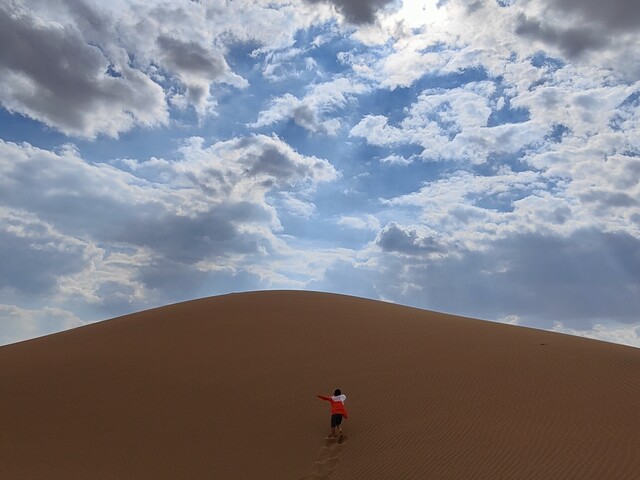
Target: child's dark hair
(337,392)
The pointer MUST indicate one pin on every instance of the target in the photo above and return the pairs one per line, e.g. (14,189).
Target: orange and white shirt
(337,404)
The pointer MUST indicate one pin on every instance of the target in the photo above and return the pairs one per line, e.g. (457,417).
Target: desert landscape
(224,388)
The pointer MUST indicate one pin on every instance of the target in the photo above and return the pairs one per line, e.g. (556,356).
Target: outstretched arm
(324,397)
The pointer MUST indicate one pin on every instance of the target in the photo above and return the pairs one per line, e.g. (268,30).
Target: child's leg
(334,423)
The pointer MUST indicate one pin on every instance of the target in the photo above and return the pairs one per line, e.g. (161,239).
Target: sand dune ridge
(224,388)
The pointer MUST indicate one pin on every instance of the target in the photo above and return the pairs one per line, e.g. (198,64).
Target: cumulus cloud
(356,11)
(398,239)
(289,107)
(310,111)
(540,279)
(296,206)
(618,15)
(377,131)
(572,41)
(470,207)
(543,278)
(211,209)
(454,124)
(583,24)
(585,33)
(89,70)
(450,36)
(197,68)
(50,73)
(368,222)
(34,255)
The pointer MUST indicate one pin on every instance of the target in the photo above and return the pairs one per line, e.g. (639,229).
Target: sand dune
(224,388)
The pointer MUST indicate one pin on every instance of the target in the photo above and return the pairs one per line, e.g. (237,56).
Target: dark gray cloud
(62,190)
(33,258)
(631,176)
(85,71)
(272,162)
(573,41)
(196,66)
(52,74)
(222,218)
(357,11)
(189,239)
(615,15)
(604,201)
(190,57)
(394,238)
(586,278)
(172,281)
(106,204)
(312,111)
(305,117)
(588,25)
(473,7)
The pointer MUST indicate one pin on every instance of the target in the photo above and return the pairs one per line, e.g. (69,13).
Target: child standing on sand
(338,410)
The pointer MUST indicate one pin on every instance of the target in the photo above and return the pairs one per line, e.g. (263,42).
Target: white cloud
(394,159)
(453,124)
(107,236)
(297,207)
(310,111)
(408,63)
(376,130)
(197,68)
(52,74)
(625,335)
(281,64)
(597,194)
(88,69)
(368,222)
(18,324)
(580,99)
(471,209)
(427,37)
(572,30)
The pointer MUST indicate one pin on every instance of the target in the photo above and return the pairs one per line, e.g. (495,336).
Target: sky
(480,158)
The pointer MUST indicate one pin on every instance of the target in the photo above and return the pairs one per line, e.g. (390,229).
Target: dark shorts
(336,419)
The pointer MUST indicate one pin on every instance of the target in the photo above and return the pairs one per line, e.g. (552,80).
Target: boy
(338,410)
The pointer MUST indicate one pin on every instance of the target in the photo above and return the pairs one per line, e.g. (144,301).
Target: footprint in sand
(327,459)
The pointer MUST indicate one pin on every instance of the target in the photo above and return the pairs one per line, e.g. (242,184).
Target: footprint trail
(327,461)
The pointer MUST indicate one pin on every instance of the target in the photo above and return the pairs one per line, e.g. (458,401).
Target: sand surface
(224,388)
